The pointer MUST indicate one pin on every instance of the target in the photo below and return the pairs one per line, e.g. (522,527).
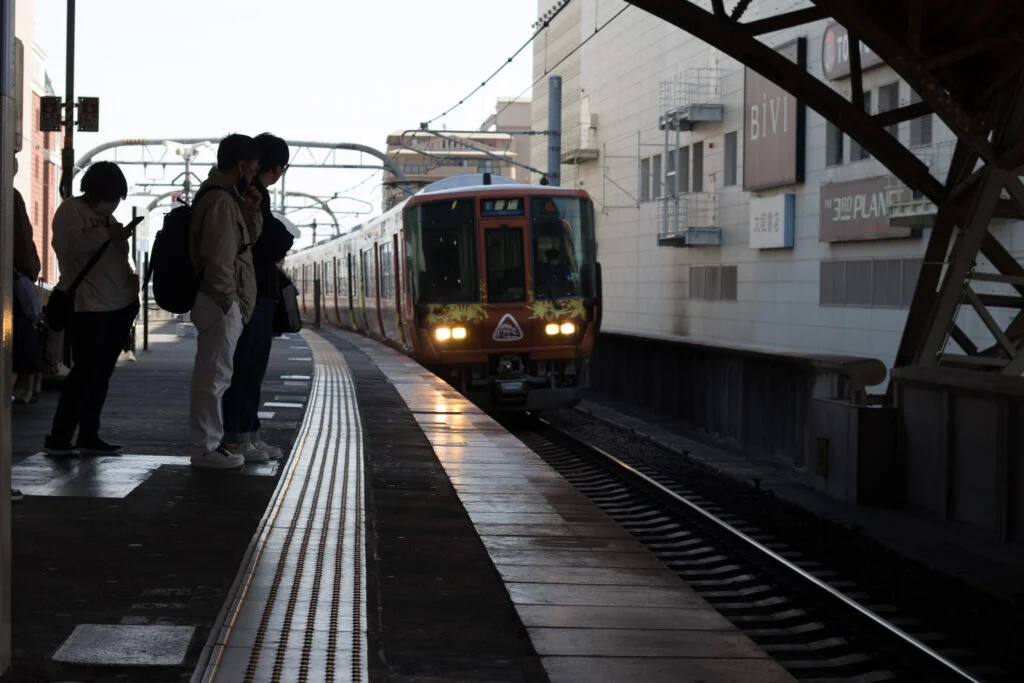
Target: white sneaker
(273,452)
(218,459)
(247,451)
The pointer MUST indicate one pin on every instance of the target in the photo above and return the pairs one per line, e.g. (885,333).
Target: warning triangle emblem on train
(508,330)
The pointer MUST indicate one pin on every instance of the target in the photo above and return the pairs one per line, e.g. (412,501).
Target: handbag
(61,304)
(286,308)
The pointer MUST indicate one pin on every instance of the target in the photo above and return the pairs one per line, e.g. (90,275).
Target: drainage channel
(815,624)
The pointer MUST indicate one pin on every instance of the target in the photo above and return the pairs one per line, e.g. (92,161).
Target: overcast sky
(302,69)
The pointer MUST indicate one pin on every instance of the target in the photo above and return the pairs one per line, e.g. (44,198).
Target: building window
(645,180)
(670,174)
(684,169)
(874,283)
(698,167)
(833,144)
(730,159)
(921,127)
(858,153)
(713,283)
(889,99)
(656,177)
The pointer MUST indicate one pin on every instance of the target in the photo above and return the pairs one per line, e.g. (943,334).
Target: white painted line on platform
(275,404)
(266,414)
(301,359)
(294,376)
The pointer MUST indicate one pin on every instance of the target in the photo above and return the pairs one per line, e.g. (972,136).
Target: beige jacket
(222,235)
(78,231)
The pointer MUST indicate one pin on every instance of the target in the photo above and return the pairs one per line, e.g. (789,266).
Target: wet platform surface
(121,564)
(406,537)
(598,606)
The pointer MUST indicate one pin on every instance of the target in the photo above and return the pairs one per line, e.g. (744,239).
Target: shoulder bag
(61,305)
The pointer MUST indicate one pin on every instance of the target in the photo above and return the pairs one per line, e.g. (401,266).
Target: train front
(505,292)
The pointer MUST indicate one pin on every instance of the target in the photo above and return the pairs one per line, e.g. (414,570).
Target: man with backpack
(242,399)
(225,222)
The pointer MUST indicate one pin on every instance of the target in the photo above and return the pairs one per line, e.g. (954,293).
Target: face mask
(106,208)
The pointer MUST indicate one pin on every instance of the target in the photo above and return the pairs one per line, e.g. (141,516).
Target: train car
(491,284)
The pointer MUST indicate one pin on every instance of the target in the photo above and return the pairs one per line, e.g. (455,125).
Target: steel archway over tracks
(88,157)
(966,62)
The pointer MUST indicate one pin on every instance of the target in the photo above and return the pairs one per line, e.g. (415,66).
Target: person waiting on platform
(226,221)
(105,304)
(242,399)
(28,357)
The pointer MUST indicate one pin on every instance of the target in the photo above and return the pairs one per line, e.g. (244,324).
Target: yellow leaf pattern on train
(567,309)
(447,314)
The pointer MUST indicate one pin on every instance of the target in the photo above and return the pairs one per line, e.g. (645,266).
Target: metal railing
(693,86)
(676,215)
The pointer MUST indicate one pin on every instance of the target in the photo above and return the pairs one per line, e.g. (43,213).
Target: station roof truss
(163,153)
(966,62)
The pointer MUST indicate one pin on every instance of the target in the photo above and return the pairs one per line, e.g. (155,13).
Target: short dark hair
(273,151)
(235,148)
(105,182)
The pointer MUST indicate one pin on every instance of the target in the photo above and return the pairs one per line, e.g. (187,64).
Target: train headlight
(443,334)
(568,328)
(458,333)
(551,329)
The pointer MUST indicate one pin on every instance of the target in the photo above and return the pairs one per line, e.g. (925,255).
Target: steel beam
(723,34)
(909,66)
(781,22)
(894,116)
(949,213)
(965,250)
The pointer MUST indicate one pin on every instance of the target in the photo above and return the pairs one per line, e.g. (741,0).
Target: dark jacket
(26,258)
(271,247)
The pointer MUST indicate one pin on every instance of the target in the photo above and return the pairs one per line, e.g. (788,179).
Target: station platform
(406,537)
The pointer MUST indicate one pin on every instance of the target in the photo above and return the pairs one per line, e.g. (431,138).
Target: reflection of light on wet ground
(99,476)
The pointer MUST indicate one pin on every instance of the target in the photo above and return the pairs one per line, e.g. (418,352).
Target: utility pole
(555,131)
(68,153)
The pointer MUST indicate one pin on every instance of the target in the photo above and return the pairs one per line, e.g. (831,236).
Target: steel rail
(927,656)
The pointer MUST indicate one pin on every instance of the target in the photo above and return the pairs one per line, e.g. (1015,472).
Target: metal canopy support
(297,147)
(740,42)
(986,123)
(925,339)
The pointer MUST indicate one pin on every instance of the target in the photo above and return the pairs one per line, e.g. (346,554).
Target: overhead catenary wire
(560,61)
(540,29)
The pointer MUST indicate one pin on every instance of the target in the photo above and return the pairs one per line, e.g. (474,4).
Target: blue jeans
(242,399)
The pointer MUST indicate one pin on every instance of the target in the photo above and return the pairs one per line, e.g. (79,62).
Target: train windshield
(564,254)
(441,245)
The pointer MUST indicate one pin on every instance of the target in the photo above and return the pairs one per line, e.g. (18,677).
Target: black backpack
(175,280)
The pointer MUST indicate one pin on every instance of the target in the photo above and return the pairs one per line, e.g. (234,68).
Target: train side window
(506,273)
(387,282)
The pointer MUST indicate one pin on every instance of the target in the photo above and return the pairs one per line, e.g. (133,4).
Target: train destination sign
(835,54)
(859,210)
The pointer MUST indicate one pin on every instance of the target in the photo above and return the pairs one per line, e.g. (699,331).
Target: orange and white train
(491,284)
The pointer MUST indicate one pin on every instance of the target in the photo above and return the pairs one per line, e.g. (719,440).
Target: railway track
(814,622)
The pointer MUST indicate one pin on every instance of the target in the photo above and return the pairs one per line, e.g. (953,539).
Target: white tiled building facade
(846,297)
